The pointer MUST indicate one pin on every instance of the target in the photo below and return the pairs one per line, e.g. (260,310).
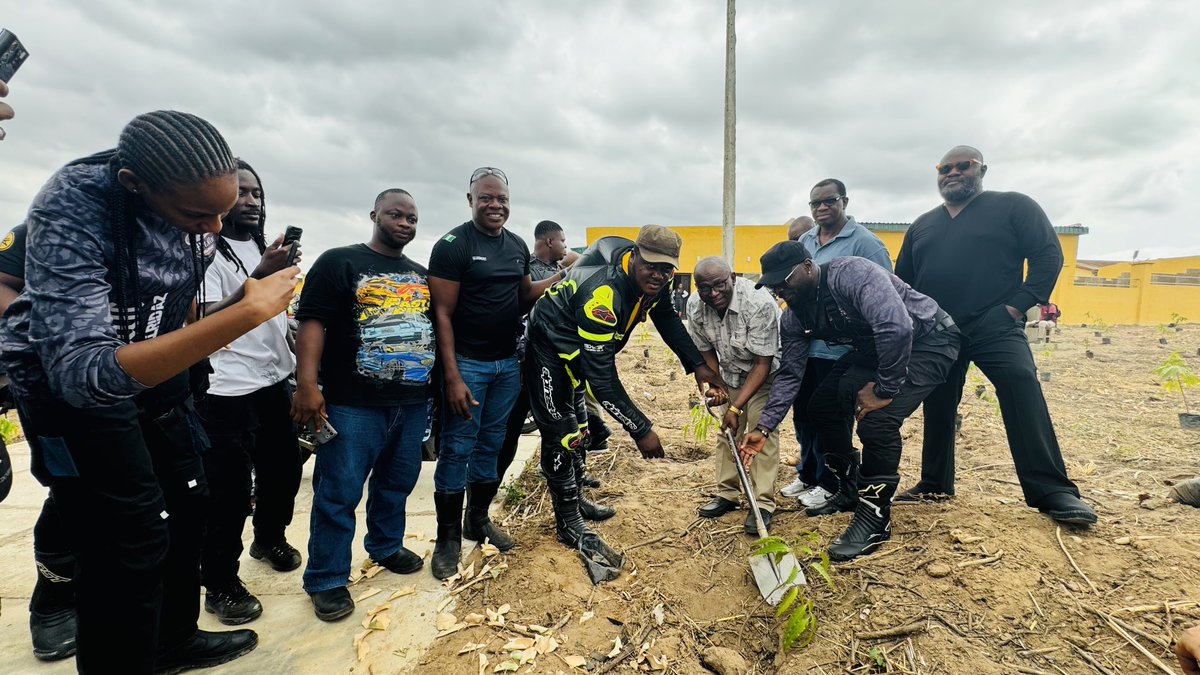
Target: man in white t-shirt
(247,417)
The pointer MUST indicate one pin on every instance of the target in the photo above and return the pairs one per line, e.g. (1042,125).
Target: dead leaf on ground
(471,647)
(378,608)
(517,644)
(489,550)
(406,590)
(474,619)
(575,661)
(367,594)
(505,666)
(446,621)
(586,616)
(659,614)
(616,648)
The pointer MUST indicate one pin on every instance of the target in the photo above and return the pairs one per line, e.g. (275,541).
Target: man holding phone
(365,328)
(246,415)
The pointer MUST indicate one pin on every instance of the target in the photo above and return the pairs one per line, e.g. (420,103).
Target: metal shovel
(772,571)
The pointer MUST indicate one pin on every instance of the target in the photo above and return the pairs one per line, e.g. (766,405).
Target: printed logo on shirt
(156,313)
(449,238)
(8,241)
(600,306)
(480,258)
(396,342)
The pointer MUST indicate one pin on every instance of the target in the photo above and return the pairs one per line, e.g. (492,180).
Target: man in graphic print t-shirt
(365,328)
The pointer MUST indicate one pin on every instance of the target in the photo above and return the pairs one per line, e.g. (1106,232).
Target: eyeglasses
(707,289)
(828,201)
(787,281)
(488,171)
(961,166)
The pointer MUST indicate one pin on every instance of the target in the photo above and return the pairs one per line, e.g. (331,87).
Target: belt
(943,321)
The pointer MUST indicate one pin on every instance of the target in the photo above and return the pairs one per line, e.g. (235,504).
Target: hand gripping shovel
(773,570)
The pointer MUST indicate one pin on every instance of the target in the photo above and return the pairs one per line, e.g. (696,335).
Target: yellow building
(1144,292)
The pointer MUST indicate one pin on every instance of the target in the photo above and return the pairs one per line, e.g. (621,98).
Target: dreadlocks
(258,234)
(164,148)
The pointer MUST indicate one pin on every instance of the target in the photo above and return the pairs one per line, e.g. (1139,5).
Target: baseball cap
(779,261)
(657,244)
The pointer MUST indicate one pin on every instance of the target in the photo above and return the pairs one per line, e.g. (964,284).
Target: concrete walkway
(291,638)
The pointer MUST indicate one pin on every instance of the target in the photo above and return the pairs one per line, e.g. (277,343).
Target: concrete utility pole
(730,185)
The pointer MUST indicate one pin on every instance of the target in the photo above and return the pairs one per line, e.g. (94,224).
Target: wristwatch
(765,432)
(736,410)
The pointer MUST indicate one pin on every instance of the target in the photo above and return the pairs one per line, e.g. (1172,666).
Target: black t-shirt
(12,252)
(976,261)
(379,343)
(489,270)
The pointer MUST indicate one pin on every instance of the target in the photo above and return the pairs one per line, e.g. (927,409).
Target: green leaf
(877,654)
(797,624)
(789,599)
(771,546)
(8,430)
(823,571)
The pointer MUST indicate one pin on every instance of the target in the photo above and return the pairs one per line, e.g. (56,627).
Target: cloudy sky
(610,113)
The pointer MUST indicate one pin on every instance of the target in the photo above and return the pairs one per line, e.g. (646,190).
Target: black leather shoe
(1065,507)
(922,493)
(403,561)
(332,604)
(53,634)
(205,649)
(751,527)
(282,556)
(718,507)
(232,603)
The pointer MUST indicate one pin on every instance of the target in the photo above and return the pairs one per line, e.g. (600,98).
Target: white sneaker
(815,497)
(795,488)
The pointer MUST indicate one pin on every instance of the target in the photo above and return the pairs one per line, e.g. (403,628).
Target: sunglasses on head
(488,171)
(961,166)
(828,201)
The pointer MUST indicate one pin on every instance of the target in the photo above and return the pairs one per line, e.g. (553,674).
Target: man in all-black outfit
(969,255)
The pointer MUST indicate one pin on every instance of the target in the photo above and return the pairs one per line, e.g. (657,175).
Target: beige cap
(657,244)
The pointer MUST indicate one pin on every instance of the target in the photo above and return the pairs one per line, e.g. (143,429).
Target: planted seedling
(700,424)
(800,624)
(1175,375)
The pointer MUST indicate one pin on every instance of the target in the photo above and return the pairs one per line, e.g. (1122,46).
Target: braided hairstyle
(165,149)
(258,235)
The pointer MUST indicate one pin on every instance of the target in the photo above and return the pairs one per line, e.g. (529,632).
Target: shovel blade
(771,576)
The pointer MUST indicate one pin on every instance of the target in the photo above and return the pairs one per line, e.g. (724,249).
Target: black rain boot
(587,508)
(52,618)
(477,525)
(845,498)
(872,524)
(449,506)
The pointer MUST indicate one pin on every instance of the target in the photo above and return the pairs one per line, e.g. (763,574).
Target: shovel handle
(747,484)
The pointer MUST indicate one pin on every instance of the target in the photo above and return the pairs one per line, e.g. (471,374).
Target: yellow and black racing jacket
(587,318)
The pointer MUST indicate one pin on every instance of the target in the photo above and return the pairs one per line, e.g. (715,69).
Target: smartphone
(12,55)
(292,236)
(325,434)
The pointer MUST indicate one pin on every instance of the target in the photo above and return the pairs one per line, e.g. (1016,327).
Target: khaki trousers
(765,466)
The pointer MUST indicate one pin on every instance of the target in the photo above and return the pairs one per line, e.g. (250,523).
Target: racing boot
(587,508)
(449,534)
(845,497)
(599,559)
(872,523)
(598,434)
(477,525)
(52,618)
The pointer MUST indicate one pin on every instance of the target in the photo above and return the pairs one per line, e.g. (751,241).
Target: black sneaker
(332,604)
(232,603)
(205,649)
(403,561)
(282,556)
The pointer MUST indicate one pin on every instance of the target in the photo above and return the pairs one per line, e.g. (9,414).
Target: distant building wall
(1146,292)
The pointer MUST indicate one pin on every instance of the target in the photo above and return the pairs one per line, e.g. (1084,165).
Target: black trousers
(556,397)
(832,406)
(253,430)
(812,459)
(129,486)
(997,345)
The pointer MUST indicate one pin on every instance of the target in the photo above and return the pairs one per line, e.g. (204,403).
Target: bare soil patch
(686,588)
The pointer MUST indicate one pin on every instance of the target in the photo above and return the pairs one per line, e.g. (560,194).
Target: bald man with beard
(970,255)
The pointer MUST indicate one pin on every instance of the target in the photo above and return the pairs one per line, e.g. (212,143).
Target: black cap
(779,261)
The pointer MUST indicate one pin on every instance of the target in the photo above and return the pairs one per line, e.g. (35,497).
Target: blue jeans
(383,443)
(468,448)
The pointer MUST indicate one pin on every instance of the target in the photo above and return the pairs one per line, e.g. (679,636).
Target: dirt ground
(686,587)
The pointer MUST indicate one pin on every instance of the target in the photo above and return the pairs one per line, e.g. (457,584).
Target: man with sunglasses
(574,334)
(903,346)
(736,328)
(970,254)
(479,278)
(836,235)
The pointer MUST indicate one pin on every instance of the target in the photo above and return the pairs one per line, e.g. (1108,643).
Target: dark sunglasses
(829,201)
(488,171)
(961,166)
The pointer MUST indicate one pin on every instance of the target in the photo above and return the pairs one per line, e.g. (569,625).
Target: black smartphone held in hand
(12,54)
(292,236)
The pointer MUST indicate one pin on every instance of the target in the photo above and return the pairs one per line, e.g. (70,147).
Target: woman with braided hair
(98,355)
(247,415)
